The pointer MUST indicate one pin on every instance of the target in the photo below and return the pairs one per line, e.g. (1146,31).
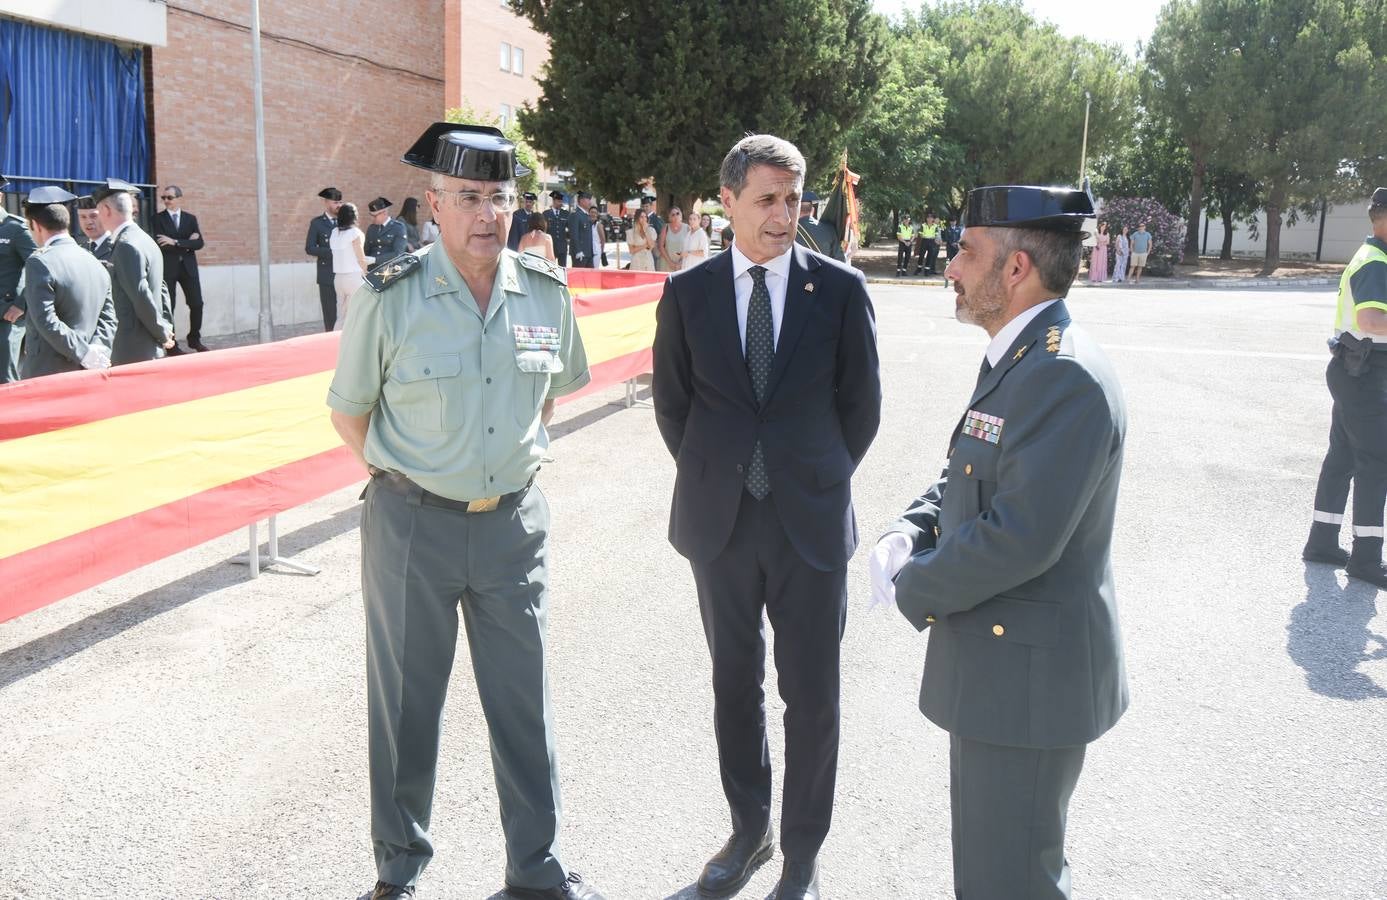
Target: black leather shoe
(799,880)
(175,350)
(1334,556)
(732,867)
(386,891)
(1374,573)
(571,888)
(199,346)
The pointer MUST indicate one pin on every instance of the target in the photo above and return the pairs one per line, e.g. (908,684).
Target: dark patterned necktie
(984,369)
(760,353)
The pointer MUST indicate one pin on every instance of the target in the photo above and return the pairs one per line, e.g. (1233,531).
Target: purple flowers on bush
(1167,231)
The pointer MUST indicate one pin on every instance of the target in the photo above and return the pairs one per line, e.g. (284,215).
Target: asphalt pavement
(185,732)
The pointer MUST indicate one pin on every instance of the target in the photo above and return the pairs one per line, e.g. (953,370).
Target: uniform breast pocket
(972,479)
(536,367)
(426,391)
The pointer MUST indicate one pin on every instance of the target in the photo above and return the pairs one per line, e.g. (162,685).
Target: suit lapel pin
(1022,351)
(809,287)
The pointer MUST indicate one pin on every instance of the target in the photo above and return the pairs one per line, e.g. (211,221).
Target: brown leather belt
(400,484)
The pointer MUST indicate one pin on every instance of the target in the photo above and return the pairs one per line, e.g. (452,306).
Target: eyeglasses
(471,201)
(167,197)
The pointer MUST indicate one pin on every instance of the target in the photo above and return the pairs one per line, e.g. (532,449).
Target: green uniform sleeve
(575,372)
(361,358)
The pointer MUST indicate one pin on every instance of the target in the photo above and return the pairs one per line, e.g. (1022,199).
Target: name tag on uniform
(983,426)
(536,337)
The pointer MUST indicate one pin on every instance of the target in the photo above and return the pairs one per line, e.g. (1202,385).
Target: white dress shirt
(100,242)
(1009,332)
(598,244)
(777,283)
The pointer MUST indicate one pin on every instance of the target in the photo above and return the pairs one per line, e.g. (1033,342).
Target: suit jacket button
(998,630)
(740,468)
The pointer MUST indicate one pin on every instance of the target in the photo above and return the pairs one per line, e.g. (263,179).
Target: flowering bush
(1167,231)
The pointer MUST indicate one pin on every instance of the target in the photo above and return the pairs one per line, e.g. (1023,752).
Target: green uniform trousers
(1009,807)
(419,564)
(11,338)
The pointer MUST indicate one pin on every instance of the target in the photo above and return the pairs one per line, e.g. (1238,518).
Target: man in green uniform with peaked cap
(16,246)
(450,362)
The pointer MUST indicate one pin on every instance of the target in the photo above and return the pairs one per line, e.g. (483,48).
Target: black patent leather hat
(475,152)
(1028,206)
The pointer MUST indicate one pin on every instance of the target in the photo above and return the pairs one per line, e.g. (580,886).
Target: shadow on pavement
(1328,636)
(593,416)
(28,659)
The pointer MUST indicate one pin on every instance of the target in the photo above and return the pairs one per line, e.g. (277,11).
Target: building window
(506,113)
(517,61)
(505,56)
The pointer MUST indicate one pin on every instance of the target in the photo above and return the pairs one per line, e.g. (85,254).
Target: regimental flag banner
(841,212)
(982,426)
(104,472)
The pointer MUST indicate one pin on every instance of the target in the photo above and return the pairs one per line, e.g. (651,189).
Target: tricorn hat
(528,196)
(556,195)
(1380,197)
(477,152)
(113,186)
(379,204)
(48,194)
(809,197)
(330,193)
(1028,206)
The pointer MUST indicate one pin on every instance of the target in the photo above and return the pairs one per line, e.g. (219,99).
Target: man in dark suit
(144,315)
(520,220)
(179,239)
(556,218)
(580,234)
(67,294)
(316,245)
(1007,558)
(767,393)
(386,238)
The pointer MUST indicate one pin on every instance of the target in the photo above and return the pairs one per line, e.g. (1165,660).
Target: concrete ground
(185,732)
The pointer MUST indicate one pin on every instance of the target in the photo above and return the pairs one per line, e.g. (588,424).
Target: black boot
(1323,545)
(732,867)
(1365,563)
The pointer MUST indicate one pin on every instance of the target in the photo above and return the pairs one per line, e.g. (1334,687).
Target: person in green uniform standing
(16,246)
(450,362)
(1007,558)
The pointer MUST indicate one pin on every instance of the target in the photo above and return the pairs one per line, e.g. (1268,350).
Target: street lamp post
(1083,153)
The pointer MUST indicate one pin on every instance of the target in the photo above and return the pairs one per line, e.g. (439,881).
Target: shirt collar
(101,240)
(444,277)
(121,228)
(780,265)
(1012,329)
(55,238)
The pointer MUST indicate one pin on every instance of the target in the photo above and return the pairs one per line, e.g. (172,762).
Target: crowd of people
(1130,254)
(69,306)
(922,243)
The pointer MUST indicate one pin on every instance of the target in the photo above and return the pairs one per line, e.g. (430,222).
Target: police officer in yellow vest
(905,238)
(929,245)
(450,362)
(1357,379)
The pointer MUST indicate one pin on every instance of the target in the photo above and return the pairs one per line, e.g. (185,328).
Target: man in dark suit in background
(520,221)
(580,233)
(179,239)
(316,245)
(556,217)
(1007,559)
(767,393)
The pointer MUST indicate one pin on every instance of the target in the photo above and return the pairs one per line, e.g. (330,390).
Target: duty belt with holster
(1354,353)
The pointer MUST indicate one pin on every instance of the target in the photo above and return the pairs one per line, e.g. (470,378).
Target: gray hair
(437,183)
(177,191)
(1055,254)
(120,202)
(758,150)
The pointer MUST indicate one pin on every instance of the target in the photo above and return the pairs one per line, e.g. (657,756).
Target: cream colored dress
(642,255)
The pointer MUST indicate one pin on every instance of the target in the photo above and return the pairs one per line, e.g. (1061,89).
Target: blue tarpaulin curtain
(71,107)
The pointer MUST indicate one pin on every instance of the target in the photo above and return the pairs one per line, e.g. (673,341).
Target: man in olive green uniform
(16,244)
(450,362)
(144,315)
(812,233)
(386,237)
(67,294)
(1007,558)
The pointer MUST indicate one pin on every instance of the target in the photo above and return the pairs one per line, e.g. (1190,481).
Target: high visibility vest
(905,233)
(1346,318)
(930,232)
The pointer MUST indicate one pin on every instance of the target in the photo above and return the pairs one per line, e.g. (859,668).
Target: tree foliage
(663,88)
(1151,162)
(1015,91)
(524,153)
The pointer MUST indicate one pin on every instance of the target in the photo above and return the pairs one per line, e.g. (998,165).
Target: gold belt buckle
(486,504)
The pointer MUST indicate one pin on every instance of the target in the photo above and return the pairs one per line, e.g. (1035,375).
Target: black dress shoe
(732,867)
(571,888)
(175,350)
(199,346)
(799,880)
(386,891)
(1374,572)
(1334,556)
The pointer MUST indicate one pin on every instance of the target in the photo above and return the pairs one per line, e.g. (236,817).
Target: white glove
(96,357)
(578,256)
(888,557)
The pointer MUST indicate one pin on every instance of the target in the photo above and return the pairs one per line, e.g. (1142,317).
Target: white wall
(1345,226)
(132,21)
(231,298)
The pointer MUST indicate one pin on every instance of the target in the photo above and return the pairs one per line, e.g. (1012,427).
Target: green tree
(524,153)
(1291,92)
(663,88)
(1234,197)
(1154,162)
(1015,90)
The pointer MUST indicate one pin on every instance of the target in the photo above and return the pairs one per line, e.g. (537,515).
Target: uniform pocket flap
(973,460)
(421,368)
(538,362)
(1034,623)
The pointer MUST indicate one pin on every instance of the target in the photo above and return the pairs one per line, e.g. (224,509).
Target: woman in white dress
(696,248)
(537,241)
(349,261)
(672,240)
(640,238)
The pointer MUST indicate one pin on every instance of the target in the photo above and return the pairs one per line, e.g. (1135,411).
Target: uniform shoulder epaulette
(540,264)
(387,273)
(1052,339)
